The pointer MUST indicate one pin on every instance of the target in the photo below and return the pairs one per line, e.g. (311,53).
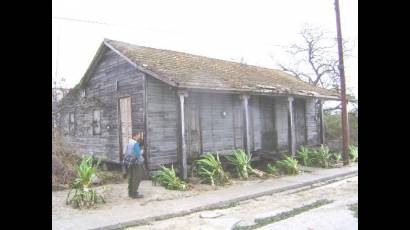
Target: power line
(81,20)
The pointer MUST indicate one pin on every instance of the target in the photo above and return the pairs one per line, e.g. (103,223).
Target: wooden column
(245,99)
(182,149)
(291,127)
(322,123)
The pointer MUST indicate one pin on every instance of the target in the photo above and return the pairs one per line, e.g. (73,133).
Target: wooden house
(187,105)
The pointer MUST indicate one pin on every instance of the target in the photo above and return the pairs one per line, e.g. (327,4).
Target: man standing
(135,168)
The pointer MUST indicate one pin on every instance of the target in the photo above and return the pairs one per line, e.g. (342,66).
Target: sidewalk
(133,212)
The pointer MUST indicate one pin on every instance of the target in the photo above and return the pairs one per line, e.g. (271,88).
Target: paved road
(334,215)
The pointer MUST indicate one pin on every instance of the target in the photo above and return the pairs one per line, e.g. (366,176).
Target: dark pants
(135,174)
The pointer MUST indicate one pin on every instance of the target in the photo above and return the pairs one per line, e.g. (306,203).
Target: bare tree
(57,93)
(315,59)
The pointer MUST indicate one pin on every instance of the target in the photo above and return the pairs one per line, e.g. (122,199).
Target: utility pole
(343,87)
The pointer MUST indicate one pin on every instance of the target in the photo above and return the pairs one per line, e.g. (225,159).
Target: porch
(262,125)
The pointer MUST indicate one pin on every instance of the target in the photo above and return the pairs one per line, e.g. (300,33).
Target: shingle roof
(193,71)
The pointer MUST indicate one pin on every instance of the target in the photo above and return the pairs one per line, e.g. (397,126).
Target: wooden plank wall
(217,131)
(238,122)
(300,122)
(268,126)
(255,123)
(313,132)
(101,93)
(162,115)
(281,122)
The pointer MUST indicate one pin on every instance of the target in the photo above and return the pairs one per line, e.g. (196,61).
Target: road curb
(227,203)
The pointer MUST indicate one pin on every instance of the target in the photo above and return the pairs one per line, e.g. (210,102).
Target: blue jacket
(137,150)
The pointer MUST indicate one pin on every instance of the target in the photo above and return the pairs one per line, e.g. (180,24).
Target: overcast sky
(255,30)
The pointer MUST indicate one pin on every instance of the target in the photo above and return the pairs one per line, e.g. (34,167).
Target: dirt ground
(116,195)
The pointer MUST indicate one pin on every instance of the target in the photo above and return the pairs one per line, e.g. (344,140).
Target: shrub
(288,165)
(304,155)
(84,195)
(353,153)
(210,169)
(167,178)
(241,161)
(63,163)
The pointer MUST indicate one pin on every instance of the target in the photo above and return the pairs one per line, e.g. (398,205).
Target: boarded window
(96,122)
(71,123)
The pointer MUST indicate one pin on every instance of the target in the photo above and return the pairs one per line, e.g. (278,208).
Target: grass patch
(285,215)
(354,208)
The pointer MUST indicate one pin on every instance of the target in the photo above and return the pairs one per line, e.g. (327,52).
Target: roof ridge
(240,70)
(197,55)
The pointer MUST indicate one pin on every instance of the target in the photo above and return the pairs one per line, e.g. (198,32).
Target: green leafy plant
(337,157)
(271,169)
(210,169)
(353,153)
(241,161)
(304,155)
(322,156)
(288,165)
(81,194)
(167,178)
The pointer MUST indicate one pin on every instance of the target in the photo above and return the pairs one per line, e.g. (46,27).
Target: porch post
(182,149)
(245,99)
(291,128)
(322,123)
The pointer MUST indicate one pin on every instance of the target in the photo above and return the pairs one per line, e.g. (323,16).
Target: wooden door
(300,122)
(194,131)
(125,121)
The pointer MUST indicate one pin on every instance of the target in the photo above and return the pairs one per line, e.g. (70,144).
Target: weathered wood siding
(281,122)
(162,117)
(300,122)
(267,123)
(238,122)
(193,125)
(255,123)
(312,121)
(217,131)
(101,93)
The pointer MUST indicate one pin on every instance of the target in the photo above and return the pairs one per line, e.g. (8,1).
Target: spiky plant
(322,156)
(288,165)
(271,169)
(241,161)
(210,169)
(353,153)
(304,156)
(81,194)
(168,178)
(337,157)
